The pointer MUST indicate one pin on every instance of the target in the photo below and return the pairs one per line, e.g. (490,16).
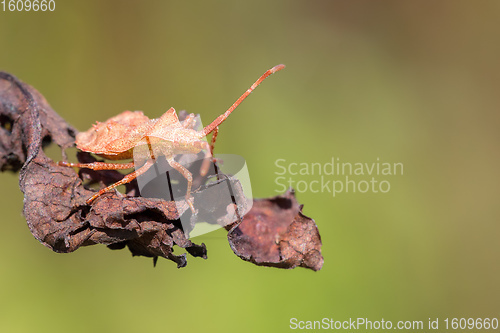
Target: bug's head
(189,143)
(200,145)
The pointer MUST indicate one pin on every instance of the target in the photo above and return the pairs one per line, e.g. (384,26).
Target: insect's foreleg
(189,177)
(214,137)
(99,165)
(127,179)
(209,153)
(206,161)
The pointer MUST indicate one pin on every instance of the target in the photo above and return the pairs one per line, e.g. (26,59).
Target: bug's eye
(199,144)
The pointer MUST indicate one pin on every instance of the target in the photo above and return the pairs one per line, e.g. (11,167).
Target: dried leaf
(276,233)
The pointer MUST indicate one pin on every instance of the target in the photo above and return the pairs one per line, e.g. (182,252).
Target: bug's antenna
(210,128)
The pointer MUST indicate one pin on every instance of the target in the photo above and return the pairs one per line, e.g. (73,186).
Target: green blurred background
(414,82)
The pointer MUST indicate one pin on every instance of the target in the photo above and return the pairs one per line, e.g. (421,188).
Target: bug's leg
(214,137)
(209,153)
(99,165)
(127,179)
(206,161)
(189,177)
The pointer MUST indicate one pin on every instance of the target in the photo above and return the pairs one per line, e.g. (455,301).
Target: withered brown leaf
(276,233)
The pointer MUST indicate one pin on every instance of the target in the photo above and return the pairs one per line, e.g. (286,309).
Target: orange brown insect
(119,137)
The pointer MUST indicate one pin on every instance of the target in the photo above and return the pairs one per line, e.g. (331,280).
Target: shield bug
(119,137)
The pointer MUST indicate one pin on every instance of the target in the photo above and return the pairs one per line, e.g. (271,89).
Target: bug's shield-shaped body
(133,135)
(116,138)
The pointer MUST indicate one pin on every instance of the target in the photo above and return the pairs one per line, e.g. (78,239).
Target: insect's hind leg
(99,165)
(127,179)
